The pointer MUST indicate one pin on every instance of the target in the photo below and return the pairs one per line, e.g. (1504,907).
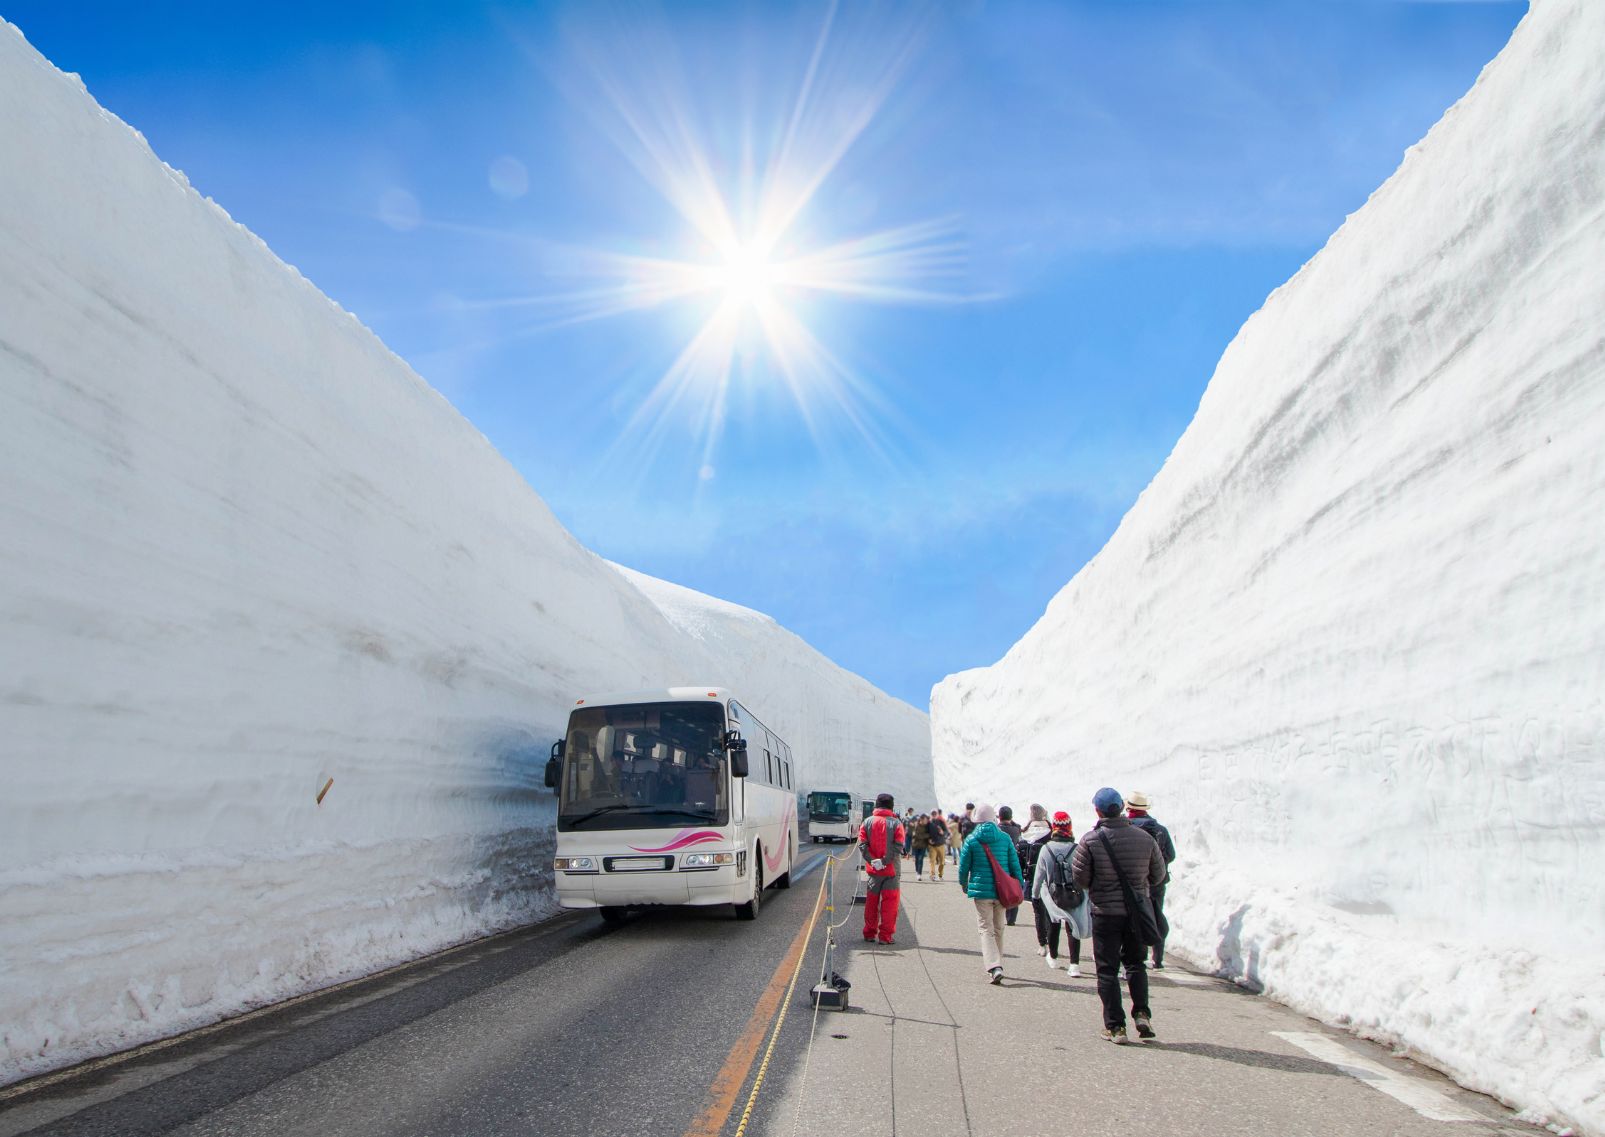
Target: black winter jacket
(1140,859)
(1167,847)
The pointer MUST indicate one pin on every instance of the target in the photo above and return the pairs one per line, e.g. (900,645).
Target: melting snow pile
(283,641)
(1351,639)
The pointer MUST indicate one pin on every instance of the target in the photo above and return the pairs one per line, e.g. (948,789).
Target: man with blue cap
(1115,849)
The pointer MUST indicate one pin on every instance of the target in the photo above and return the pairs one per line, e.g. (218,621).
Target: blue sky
(1102,194)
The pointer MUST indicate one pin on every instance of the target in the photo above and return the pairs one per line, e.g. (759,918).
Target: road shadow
(1259,1059)
(1021,981)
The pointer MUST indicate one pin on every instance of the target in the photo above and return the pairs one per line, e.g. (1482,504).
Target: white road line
(1418,1095)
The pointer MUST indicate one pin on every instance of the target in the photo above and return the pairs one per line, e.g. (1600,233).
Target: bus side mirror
(737,746)
(554,765)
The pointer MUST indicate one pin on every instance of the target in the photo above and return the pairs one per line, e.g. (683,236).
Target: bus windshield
(828,806)
(644,766)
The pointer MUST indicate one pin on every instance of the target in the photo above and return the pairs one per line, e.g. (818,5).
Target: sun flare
(752,210)
(747,277)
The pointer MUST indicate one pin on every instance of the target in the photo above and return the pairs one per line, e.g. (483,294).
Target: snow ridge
(1351,638)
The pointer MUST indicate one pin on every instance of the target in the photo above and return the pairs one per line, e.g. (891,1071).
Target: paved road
(571,1027)
(661,1026)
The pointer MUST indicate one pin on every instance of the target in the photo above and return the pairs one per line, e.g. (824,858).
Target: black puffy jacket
(1139,856)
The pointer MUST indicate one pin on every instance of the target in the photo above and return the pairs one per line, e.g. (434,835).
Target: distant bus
(674,796)
(834,815)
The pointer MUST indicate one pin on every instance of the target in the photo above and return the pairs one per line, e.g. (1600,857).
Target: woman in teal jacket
(975,877)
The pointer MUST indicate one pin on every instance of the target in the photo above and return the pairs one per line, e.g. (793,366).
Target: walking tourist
(936,837)
(920,842)
(1011,830)
(880,841)
(1059,905)
(1137,810)
(1029,843)
(967,822)
(1113,851)
(979,881)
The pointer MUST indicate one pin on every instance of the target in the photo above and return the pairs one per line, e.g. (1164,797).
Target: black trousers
(1048,933)
(1115,942)
(1158,893)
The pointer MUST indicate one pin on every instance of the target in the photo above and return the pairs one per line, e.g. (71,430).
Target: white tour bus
(673,796)
(833,815)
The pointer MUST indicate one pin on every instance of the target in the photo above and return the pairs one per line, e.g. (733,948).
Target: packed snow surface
(1351,639)
(283,641)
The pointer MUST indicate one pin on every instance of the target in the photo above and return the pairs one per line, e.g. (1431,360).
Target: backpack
(1062,889)
(1029,851)
(1161,836)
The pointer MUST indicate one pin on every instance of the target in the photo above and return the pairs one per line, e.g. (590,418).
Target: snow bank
(247,551)
(1351,639)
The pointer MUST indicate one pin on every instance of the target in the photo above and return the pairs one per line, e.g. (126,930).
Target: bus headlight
(582,864)
(708,860)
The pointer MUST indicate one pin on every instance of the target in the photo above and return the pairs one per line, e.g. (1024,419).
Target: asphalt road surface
(569,1027)
(671,1024)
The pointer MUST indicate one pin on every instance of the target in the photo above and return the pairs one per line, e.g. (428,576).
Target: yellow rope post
(774,1037)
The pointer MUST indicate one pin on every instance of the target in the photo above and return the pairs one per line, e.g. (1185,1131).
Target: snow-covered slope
(246,551)
(855,736)
(1351,639)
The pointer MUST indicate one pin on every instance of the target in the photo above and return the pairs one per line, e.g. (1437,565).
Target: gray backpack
(1062,889)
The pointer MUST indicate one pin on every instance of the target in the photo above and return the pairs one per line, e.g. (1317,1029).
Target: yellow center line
(727,1083)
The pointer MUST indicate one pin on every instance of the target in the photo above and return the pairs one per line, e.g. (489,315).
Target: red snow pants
(880,915)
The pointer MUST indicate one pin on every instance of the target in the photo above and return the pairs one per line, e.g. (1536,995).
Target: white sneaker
(1042,949)
(1073,971)
(1052,963)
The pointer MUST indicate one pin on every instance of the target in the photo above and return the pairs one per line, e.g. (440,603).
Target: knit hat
(1107,802)
(986,813)
(1061,820)
(1138,800)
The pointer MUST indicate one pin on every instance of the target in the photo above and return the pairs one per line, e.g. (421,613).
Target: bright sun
(747,276)
(757,226)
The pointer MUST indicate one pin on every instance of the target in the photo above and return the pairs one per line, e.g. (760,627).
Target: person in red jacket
(880,843)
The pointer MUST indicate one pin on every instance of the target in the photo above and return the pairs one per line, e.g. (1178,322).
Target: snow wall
(1351,639)
(246,550)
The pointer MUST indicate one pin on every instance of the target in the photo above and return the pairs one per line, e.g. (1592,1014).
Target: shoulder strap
(1103,836)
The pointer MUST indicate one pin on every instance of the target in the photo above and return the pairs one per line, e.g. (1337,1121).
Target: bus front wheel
(749,910)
